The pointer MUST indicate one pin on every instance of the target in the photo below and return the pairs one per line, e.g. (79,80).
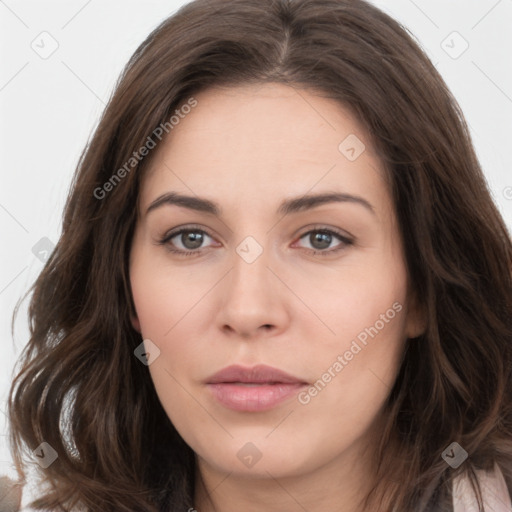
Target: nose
(254,300)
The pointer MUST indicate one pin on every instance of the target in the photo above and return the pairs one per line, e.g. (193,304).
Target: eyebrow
(292,205)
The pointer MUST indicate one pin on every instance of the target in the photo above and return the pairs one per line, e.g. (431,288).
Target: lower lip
(240,397)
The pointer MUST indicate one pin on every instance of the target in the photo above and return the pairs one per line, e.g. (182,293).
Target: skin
(249,148)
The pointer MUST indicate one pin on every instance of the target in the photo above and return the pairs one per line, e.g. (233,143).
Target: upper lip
(260,374)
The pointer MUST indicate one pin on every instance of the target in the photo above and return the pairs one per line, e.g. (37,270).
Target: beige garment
(495,494)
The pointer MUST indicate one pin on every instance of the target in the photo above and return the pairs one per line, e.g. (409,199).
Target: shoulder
(494,492)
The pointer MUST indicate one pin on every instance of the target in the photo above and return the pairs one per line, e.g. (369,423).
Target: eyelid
(187,227)
(323,227)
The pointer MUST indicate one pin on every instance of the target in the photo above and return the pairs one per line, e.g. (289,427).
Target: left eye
(321,239)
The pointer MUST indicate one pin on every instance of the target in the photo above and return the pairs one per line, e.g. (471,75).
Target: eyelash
(195,229)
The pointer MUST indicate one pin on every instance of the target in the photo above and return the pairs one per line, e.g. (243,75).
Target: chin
(259,457)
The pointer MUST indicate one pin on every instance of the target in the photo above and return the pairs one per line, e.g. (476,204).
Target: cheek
(355,299)
(356,365)
(162,295)
(354,371)
(151,306)
(168,302)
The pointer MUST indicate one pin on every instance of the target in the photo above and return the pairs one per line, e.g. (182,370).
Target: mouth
(253,389)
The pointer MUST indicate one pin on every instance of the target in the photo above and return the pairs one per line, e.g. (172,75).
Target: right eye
(185,241)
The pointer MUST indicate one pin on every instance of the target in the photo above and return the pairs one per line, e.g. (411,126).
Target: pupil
(322,237)
(195,238)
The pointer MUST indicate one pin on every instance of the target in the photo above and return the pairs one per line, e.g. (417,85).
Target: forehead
(265,142)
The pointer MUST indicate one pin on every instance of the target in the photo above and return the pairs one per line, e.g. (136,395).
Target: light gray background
(50,105)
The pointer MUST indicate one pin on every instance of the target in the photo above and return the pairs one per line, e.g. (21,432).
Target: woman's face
(253,291)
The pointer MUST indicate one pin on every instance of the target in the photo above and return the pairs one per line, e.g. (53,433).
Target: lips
(253,389)
(260,374)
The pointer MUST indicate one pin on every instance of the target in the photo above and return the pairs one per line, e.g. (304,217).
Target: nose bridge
(250,272)
(251,295)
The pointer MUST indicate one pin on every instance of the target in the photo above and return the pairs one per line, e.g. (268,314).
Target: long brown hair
(117,449)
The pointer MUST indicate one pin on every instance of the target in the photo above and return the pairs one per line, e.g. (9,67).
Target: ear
(135,323)
(416,323)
